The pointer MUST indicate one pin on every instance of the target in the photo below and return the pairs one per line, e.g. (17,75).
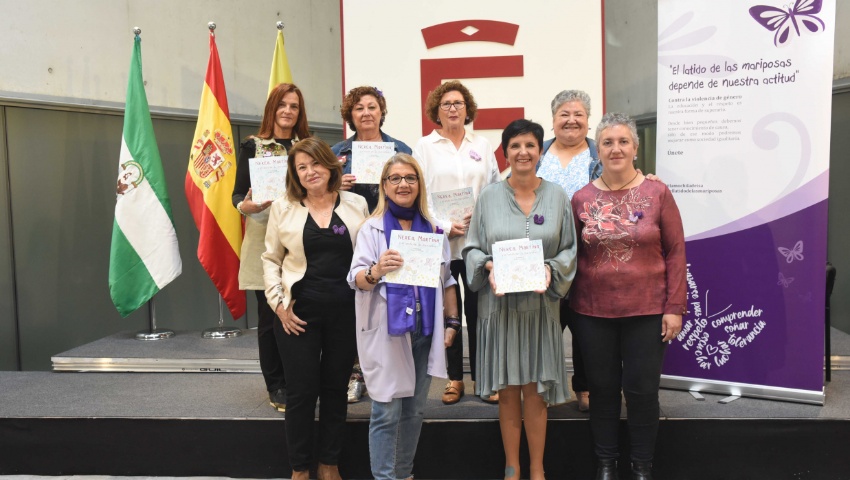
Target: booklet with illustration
(453,204)
(422,254)
(518,266)
(368,159)
(268,178)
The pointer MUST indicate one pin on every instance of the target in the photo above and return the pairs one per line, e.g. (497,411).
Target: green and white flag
(144,257)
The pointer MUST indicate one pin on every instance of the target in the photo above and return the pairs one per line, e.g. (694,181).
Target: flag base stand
(154,334)
(221,332)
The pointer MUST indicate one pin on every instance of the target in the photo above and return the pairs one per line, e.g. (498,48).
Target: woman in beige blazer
(309,245)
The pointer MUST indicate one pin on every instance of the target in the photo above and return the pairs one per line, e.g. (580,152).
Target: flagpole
(221,331)
(153,333)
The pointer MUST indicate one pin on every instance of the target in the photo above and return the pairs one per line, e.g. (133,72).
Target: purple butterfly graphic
(538,219)
(339,229)
(780,21)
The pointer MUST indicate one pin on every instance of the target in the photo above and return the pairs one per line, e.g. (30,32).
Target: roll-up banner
(744,105)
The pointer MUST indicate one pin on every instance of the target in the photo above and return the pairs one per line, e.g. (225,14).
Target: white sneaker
(356,389)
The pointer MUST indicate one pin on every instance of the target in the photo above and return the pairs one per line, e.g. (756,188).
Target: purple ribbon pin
(339,229)
(538,219)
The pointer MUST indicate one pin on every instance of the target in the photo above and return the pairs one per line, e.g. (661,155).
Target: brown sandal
(492,399)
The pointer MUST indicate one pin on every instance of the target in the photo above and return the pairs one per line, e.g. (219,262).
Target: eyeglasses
(396,179)
(448,105)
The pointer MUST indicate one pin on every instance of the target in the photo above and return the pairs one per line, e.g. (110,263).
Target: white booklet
(453,204)
(518,266)
(422,254)
(368,159)
(268,178)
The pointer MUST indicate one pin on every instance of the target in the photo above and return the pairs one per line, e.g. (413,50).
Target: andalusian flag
(209,186)
(280,64)
(144,257)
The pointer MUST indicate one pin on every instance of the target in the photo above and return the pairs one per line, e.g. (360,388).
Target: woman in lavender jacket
(402,331)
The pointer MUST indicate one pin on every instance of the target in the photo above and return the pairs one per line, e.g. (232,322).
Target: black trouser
(270,362)
(318,363)
(568,320)
(623,354)
(454,354)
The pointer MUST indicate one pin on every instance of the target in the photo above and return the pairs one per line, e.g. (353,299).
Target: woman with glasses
(402,331)
(452,158)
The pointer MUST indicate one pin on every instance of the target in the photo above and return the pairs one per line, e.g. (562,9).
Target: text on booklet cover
(453,204)
(422,254)
(268,178)
(368,159)
(518,266)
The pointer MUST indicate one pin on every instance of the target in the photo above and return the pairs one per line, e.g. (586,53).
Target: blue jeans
(395,425)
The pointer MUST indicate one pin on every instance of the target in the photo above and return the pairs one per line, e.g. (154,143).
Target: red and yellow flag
(209,186)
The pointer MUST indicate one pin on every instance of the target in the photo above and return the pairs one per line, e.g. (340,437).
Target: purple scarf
(401,299)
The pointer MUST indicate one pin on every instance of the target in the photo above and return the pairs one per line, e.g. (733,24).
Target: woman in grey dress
(520,347)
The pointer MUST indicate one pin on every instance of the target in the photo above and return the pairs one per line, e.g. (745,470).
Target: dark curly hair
(432,104)
(354,95)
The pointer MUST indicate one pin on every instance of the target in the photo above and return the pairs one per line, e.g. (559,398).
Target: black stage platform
(191,424)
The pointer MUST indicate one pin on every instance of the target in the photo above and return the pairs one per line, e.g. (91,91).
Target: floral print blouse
(631,253)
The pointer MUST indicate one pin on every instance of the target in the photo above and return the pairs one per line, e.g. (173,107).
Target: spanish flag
(209,185)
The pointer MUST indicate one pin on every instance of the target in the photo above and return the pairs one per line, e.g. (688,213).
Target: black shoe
(277,399)
(606,469)
(641,470)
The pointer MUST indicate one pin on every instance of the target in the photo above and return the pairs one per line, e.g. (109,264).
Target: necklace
(624,185)
(313,206)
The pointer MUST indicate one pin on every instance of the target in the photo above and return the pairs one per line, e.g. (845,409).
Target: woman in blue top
(571,161)
(364,110)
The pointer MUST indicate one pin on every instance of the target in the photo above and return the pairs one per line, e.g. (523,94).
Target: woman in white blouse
(452,158)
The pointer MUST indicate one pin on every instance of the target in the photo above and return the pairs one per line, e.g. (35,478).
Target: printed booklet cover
(422,254)
(268,178)
(518,266)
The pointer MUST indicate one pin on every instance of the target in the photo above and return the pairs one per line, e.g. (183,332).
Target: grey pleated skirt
(519,342)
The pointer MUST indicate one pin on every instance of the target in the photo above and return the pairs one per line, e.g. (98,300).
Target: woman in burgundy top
(629,294)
